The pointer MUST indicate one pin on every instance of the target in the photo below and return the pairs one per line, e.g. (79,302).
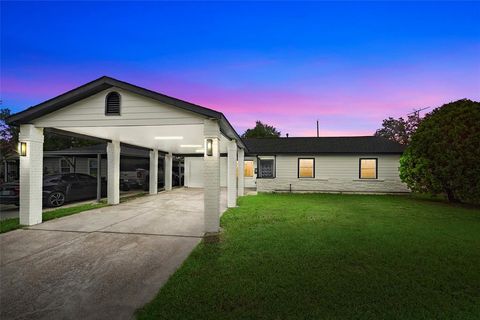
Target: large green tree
(444,153)
(261,130)
(399,130)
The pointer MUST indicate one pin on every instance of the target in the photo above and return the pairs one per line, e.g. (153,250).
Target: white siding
(334,173)
(194,169)
(52,165)
(135,110)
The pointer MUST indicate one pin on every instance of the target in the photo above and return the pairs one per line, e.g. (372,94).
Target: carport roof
(99,149)
(104,83)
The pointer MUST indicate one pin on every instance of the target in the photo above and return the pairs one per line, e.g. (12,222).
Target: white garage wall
(194,172)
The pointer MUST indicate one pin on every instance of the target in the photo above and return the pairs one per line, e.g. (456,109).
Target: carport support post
(232,174)
(113,179)
(168,171)
(31,175)
(99,177)
(153,188)
(241,172)
(211,203)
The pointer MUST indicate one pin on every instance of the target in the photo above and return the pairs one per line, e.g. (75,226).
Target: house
(121,114)
(365,164)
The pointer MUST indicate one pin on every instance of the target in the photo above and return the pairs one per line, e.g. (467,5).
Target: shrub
(444,154)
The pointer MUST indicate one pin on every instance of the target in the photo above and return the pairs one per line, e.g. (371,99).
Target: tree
(399,130)
(444,153)
(8,135)
(261,130)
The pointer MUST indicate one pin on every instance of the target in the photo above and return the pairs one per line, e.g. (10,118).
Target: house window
(112,104)
(65,166)
(92,167)
(368,168)
(306,168)
(248,171)
(266,168)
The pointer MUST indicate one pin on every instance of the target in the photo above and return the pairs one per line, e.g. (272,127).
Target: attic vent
(112,104)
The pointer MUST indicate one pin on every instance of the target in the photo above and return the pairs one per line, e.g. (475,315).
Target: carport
(121,113)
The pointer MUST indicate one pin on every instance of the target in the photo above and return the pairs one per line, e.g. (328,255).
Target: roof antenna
(287,135)
(318,131)
(416,112)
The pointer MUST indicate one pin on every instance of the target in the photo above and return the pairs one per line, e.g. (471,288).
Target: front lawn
(320,256)
(14,223)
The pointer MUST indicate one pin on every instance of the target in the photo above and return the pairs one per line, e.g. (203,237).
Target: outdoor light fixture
(209,147)
(169,138)
(190,146)
(22,149)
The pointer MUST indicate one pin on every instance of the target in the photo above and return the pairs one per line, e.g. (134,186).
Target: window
(92,167)
(65,166)
(306,168)
(368,168)
(112,104)
(266,168)
(248,171)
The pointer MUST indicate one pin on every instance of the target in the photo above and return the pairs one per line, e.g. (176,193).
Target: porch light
(169,138)
(22,149)
(209,147)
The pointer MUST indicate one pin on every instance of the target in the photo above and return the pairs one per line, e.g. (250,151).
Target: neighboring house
(134,164)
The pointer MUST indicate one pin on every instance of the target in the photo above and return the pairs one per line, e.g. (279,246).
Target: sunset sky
(349,65)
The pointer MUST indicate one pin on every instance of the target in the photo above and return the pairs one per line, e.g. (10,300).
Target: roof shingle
(313,145)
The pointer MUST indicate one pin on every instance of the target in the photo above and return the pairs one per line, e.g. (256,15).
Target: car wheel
(56,199)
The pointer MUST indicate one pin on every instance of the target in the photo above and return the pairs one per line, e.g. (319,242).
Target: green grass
(14,223)
(320,256)
(9,224)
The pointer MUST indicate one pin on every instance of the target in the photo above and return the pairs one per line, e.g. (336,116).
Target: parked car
(57,189)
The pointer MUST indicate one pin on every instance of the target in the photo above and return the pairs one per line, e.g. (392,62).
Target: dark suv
(57,189)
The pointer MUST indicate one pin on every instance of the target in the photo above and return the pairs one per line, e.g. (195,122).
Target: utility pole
(318,131)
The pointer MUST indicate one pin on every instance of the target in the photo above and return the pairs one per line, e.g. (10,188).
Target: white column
(113,174)
(241,172)
(212,177)
(153,188)
(31,175)
(168,171)
(232,174)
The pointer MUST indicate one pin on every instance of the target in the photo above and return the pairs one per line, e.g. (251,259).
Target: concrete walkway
(99,264)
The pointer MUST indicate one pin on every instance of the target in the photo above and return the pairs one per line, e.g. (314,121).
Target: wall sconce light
(209,147)
(22,149)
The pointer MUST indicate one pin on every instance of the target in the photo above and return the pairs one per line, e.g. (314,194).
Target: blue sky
(348,64)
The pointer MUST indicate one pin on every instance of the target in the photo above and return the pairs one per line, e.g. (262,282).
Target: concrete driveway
(99,264)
